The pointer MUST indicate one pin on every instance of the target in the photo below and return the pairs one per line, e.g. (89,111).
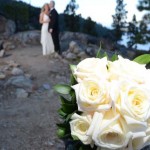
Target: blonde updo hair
(43,8)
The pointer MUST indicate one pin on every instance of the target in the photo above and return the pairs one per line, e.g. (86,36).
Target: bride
(46,38)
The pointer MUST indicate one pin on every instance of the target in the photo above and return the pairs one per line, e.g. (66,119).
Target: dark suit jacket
(54,20)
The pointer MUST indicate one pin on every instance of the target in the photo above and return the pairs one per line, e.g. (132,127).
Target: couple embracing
(50,29)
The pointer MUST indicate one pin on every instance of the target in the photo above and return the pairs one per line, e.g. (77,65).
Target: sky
(100,11)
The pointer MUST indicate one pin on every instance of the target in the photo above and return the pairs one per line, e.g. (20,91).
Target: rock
(20,82)
(49,143)
(91,51)
(82,55)
(3,24)
(76,50)
(56,55)
(64,53)
(46,86)
(7,27)
(26,37)
(2,76)
(8,45)
(10,27)
(131,54)
(2,82)
(83,38)
(50,93)
(72,45)
(30,76)
(1,96)
(2,53)
(17,71)
(71,56)
(12,64)
(6,68)
(21,93)
(64,36)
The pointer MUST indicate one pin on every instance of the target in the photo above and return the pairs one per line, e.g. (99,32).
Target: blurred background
(122,21)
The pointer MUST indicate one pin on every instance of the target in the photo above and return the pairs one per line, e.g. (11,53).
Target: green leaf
(114,57)
(69,117)
(75,137)
(98,55)
(61,113)
(73,96)
(61,132)
(64,100)
(62,125)
(143,59)
(68,108)
(73,67)
(105,55)
(81,148)
(73,77)
(73,80)
(62,88)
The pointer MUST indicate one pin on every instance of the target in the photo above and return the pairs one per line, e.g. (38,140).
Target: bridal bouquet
(106,105)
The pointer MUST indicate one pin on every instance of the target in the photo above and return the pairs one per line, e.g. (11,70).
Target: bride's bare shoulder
(42,13)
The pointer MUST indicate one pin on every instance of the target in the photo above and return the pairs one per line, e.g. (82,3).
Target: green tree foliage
(24,15)
(34,17)
(119,19)
(133,33)
(89,27)
(18,12)
(144,5)
(70,17)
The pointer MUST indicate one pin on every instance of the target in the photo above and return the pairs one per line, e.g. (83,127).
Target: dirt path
(30,124)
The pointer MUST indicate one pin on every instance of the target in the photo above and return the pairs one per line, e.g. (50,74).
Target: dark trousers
(55,37)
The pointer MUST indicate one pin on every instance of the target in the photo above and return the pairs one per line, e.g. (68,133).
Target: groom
(54,27)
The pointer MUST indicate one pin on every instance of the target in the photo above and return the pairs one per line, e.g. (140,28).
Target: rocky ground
(28,104)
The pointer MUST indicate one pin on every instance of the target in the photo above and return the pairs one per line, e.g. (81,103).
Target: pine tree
(144,5)
(19,13)
(119,19)
(133,32)
(89,27)
(70,17)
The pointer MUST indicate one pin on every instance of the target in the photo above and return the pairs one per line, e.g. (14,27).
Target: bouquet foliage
(106,105)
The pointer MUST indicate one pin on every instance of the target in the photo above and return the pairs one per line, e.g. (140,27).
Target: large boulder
(10,27)
(9,45)
(76,36)
(7,27)
(26,37)
(3,24)
(74,52)
(82,39)
(20,82)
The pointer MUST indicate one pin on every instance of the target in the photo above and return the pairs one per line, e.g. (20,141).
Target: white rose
(142,141)
(127,69)
(79,127)
(135,107)
(110,131)
(92,95)
(91,68)
(128,147)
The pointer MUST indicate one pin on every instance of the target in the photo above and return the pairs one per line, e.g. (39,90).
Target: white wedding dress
(46,38)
